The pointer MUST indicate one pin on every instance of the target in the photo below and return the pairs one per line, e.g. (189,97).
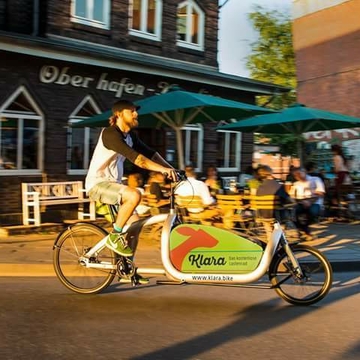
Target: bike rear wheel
(73,243)
(306,290)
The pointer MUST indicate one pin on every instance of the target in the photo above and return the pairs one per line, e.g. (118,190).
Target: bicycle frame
(174,274)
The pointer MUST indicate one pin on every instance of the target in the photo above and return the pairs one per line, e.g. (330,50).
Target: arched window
(81,141)
(190,25)
(91,12)
(145,18)
(21,135)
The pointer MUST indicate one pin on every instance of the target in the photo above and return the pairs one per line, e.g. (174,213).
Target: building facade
(63,61)
(326,42)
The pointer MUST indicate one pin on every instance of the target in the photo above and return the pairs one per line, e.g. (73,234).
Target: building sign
(50,74)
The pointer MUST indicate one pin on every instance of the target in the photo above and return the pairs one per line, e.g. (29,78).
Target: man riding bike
(116,143)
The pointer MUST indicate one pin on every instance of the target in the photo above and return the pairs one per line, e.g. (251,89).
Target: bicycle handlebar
(180,174)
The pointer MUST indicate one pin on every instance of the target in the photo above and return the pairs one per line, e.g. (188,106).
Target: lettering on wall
(50,74)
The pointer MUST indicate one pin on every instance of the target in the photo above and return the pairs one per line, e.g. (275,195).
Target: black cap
(124,104)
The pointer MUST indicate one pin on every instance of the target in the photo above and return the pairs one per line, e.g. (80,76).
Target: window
(21,135)
(145,18)
(190,25)
(228,158)
(91,12)
(81,141)
(193,145)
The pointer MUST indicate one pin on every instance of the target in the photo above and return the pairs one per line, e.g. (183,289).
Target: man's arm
(147,164)
(160,160)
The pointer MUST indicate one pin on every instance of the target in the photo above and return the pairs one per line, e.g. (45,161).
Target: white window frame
(143,20)
(21,117)
(190,5)
(89,19)
(226,151)
(188,129)
(73,118)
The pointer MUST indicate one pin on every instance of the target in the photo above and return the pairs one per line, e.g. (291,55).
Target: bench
(36,196)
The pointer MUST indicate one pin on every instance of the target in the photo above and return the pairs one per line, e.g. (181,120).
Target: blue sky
(236,32)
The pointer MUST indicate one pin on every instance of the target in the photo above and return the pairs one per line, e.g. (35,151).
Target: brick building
(326,42)
(63,61)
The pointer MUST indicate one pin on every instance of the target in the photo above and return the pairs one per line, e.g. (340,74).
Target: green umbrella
(296,119)
(178,108)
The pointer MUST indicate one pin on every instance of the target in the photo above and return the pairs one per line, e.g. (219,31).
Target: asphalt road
(40,319)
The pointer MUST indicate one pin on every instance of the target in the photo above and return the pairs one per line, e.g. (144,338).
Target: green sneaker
(117,243)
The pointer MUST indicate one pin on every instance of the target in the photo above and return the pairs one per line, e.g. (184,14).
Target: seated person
(309,192)
(194,187)
(290,175)
(269,186)
(213,181)
(158,188)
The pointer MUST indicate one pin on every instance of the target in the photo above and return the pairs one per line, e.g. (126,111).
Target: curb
(47,270)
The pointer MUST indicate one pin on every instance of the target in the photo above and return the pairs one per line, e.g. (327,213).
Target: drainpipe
(36,17)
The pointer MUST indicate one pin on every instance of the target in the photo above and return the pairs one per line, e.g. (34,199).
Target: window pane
(220,160)
(181,23)
(8,144)
(80,8)
(195,27)
(30,144)
(98,10)
(136,14)
(151,16)
(232,150)
(77,148)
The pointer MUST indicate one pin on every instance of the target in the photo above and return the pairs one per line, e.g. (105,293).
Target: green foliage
(273,60)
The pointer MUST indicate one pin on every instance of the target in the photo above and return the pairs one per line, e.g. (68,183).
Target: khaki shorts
(107,192)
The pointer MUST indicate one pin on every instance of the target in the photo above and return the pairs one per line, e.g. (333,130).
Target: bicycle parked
(194,254)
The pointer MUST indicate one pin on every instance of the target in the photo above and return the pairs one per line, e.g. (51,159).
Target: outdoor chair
(233,212)
(269,208)
(193,210)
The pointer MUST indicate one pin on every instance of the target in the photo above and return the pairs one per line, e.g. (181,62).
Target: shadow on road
(251,321)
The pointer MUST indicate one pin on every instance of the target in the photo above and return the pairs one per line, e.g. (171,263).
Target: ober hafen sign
(50,74)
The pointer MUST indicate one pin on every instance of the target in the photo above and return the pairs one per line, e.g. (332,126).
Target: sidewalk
(31,255)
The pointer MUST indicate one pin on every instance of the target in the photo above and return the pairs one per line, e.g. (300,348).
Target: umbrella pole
(180,148)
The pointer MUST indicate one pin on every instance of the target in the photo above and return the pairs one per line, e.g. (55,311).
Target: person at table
(290,175)
(213,181)
(158,188)
(269,186)
(309,192)
(193,187)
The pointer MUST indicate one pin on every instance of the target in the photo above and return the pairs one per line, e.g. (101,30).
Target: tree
(272,60)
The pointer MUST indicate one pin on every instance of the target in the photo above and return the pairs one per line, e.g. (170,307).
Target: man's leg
(130,199)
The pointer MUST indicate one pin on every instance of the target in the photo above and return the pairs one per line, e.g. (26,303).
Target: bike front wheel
(307,289)
(71,245)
